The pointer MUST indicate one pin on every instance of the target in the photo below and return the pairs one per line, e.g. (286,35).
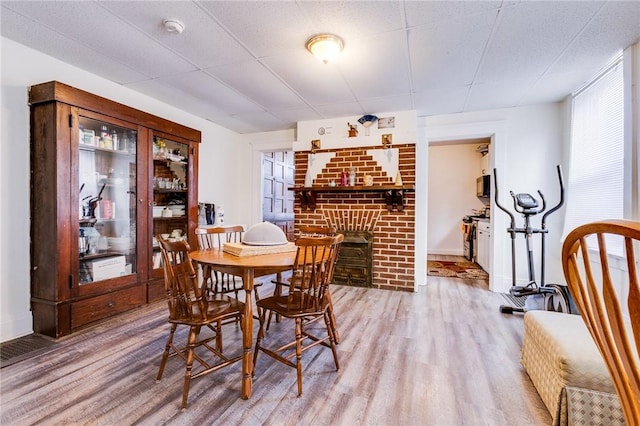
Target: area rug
(461,269)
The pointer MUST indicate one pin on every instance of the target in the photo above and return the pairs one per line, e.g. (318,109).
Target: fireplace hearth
(354,266)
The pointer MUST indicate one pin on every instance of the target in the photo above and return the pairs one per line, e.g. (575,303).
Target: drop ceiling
(243,65)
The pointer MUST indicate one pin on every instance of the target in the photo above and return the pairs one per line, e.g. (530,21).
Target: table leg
(247,334)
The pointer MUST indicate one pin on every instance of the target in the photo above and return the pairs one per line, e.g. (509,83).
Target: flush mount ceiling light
(173,26)
(325,47)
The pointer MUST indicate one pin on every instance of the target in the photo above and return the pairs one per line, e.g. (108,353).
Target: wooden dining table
(249,268)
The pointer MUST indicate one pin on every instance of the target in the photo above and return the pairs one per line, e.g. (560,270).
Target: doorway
(278,173)
(453,169)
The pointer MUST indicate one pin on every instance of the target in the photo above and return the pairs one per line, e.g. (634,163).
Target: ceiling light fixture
(325,47)
(173,26)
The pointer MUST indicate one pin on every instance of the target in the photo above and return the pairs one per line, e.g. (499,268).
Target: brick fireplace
(392,231)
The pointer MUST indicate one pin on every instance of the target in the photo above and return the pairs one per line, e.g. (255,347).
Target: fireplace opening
(354,266)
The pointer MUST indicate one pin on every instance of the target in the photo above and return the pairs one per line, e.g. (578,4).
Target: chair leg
(332,318)
(277,291)
(256,350)
(191,344)
(167,349)
(219,335)
(299,354)
(207,281)
(332,339)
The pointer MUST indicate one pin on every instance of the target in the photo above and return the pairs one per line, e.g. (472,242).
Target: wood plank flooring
(441,356)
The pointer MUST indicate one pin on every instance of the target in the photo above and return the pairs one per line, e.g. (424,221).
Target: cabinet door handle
(111,304)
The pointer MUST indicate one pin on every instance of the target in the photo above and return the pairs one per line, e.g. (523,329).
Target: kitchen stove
(469,227)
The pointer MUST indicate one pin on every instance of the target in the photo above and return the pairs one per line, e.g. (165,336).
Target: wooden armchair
(600,296)
(189,306)
(306,303)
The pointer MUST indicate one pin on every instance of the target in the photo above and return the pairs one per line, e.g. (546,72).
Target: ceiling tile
(615,27)
(388,103)
(386,72)
(419,13)
(258,83)
(52,43)
(265,28)
(203,42)
(527,39)
(297,114)
(441,100)
(354,19)
(88,24)
(344,109)
(493,94)
(202,86)
(261,120)
(448,54)
(316,82)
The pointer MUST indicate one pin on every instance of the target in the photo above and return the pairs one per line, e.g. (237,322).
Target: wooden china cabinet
(105,179)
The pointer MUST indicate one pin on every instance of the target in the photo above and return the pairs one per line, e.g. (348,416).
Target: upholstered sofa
(567,370)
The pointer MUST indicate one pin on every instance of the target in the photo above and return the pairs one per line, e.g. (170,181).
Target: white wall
(220,180)
(453,169)
(526,146)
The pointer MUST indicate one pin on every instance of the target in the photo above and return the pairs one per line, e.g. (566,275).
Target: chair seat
(297,305)
(218,306)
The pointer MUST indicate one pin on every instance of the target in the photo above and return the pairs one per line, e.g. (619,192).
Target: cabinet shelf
(94,148)
(169,191)
(170,218)
(393,194)
(168,160)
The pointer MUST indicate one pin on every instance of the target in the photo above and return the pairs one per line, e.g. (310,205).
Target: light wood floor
(441,356)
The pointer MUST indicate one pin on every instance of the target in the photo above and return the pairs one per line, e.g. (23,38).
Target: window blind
(596,173)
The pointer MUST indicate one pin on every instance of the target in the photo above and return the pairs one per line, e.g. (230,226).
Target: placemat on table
(239,249)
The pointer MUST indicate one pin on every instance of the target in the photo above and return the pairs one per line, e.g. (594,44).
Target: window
(596,172)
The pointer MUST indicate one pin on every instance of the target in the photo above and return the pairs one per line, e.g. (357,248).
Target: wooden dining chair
(214,238)
(306,303)
(600,291)
(280,284)
(316,231)
(190,306)
(304,231)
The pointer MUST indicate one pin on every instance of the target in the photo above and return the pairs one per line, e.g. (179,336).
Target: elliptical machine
(555,297)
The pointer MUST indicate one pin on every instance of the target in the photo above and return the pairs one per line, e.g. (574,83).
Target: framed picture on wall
(386,123)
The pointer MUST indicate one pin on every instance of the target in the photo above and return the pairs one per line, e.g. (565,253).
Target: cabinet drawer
(106,305)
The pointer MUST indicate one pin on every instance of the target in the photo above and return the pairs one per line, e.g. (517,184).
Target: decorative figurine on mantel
(366,121)
(398,181)
(353,130)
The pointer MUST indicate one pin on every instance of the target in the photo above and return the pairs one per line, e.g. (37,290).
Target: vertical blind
(596,173)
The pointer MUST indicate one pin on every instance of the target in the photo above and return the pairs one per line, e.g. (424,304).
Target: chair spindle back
(600,301)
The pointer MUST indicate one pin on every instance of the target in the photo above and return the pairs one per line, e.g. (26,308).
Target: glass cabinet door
(107,201)
(170,194)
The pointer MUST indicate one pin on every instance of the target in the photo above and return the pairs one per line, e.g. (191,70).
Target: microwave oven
(483,186)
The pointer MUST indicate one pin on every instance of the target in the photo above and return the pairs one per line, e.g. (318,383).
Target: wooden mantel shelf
(393,194)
